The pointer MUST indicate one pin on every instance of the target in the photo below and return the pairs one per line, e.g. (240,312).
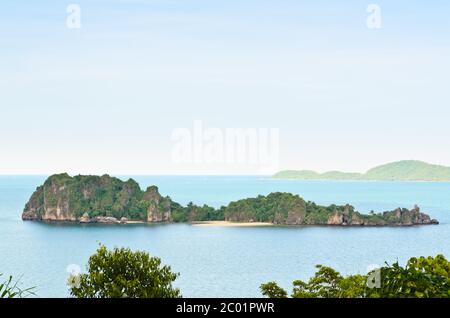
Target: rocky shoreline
(103,219)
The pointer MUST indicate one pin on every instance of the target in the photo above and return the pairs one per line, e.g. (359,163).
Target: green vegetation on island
(290,209)
(105,199)
(423,277)
(407,170)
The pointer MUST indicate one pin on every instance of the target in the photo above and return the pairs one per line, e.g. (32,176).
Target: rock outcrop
(336,218)
(159,208)
(49,202)
(397,217)
(105,220)
(85,218)
(94,199)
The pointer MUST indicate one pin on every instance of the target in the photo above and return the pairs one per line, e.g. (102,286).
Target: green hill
(406,170)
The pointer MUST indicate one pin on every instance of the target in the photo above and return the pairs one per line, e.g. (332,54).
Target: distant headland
(106,199)
(406,170)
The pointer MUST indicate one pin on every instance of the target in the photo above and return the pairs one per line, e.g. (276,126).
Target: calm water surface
(224,261)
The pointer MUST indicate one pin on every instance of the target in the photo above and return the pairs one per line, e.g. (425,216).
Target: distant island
(406,170)
(106,199)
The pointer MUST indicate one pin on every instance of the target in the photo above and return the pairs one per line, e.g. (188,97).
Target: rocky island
(106,199)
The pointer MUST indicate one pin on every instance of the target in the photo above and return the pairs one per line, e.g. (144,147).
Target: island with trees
(406,170)
(106,199)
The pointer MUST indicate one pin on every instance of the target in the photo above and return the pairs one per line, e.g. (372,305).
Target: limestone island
(105,199)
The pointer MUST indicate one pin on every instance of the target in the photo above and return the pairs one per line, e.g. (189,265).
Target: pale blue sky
(106,97)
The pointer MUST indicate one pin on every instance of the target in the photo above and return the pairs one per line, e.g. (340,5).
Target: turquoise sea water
(226,261)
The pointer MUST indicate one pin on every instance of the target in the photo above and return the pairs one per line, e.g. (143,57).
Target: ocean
(226,261)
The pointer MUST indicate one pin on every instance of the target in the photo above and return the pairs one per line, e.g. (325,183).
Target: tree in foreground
(120,273)
(272,290)
(423,277)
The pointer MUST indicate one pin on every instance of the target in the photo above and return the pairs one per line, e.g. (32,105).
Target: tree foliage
(272,290)
(120,273)
(423,277)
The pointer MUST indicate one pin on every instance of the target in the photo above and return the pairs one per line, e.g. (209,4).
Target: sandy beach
(229,224)
(135,222)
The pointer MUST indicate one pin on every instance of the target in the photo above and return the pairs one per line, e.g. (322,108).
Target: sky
(117,94)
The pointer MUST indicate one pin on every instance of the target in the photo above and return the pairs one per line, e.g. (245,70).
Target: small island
(406,170)
(106,199)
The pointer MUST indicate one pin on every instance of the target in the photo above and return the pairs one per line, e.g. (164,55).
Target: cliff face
(94,199)
(159,208)
(49,202)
